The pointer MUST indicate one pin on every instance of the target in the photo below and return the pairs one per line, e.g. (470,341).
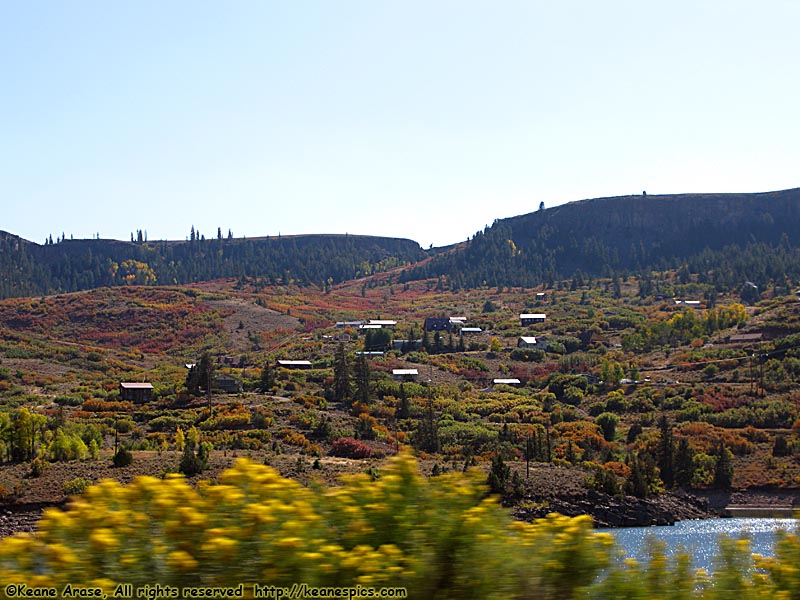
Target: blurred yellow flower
(103,540)
(181,560)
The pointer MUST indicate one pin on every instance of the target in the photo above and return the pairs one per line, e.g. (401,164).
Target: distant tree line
(71,265)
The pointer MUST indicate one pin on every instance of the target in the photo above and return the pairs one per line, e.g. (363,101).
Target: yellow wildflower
(181,560)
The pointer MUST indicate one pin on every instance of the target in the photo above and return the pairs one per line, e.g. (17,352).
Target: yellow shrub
(439,538)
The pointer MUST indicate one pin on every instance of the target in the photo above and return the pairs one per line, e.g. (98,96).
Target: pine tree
(362,379)
(636,484)
(426,341)
(428,429)
(666,452)
(684,464)
(341,376)
(193,380)
(200,375)
(403,411)
(267,380)
(723,470)
(570,455)
(498,475)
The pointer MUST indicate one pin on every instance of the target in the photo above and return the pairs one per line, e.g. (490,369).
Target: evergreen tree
(426,341)
(636,484)
(341,376)
(437,342)
(634,431)
(723,470)
(361,372)
(428,429)
(498,475)
(666,452)
(201,375)
(684,464)
(781,446)
(267,380)
(570,455)
(403,411)
(122,458)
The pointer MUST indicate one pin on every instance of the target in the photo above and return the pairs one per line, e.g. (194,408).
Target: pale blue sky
(424,120)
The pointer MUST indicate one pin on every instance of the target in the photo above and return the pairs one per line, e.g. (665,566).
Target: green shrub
(67,446)
(122,458)
(64,400)
(75,487)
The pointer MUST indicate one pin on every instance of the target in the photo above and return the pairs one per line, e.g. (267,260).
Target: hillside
(587,410)
(72,265)
(725,238)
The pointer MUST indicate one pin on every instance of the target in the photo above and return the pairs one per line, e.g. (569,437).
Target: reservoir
(700,537)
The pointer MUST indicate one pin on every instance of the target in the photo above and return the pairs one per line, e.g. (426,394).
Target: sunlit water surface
(700,538)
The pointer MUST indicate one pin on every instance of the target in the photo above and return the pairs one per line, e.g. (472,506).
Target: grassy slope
(82,345)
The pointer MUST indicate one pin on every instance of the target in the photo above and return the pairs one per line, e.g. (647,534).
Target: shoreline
(666,509)
(549,489)
(608,512)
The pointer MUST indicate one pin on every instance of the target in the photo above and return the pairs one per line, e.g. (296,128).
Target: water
(700,537)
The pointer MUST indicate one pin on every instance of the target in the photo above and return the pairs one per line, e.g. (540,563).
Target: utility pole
(528,456)
(208,387)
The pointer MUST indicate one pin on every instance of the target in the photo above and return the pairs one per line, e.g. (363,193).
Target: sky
(425,120)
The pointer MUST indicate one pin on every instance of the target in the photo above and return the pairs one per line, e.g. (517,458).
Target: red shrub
(348,447)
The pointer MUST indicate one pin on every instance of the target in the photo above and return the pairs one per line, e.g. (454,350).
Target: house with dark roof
(437,324)
(135,392)
(746,338)
(227,383)
(531,318)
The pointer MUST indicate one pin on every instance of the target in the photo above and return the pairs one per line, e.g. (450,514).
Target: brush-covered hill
(721,239)
(725,238)
(28,269)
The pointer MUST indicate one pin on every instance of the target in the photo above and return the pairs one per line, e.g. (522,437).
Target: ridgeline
(723,239)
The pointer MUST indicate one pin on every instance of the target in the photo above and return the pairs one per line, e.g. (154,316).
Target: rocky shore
(546,488)
(549,488)
(665,509)
(18,518)
(628,511)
